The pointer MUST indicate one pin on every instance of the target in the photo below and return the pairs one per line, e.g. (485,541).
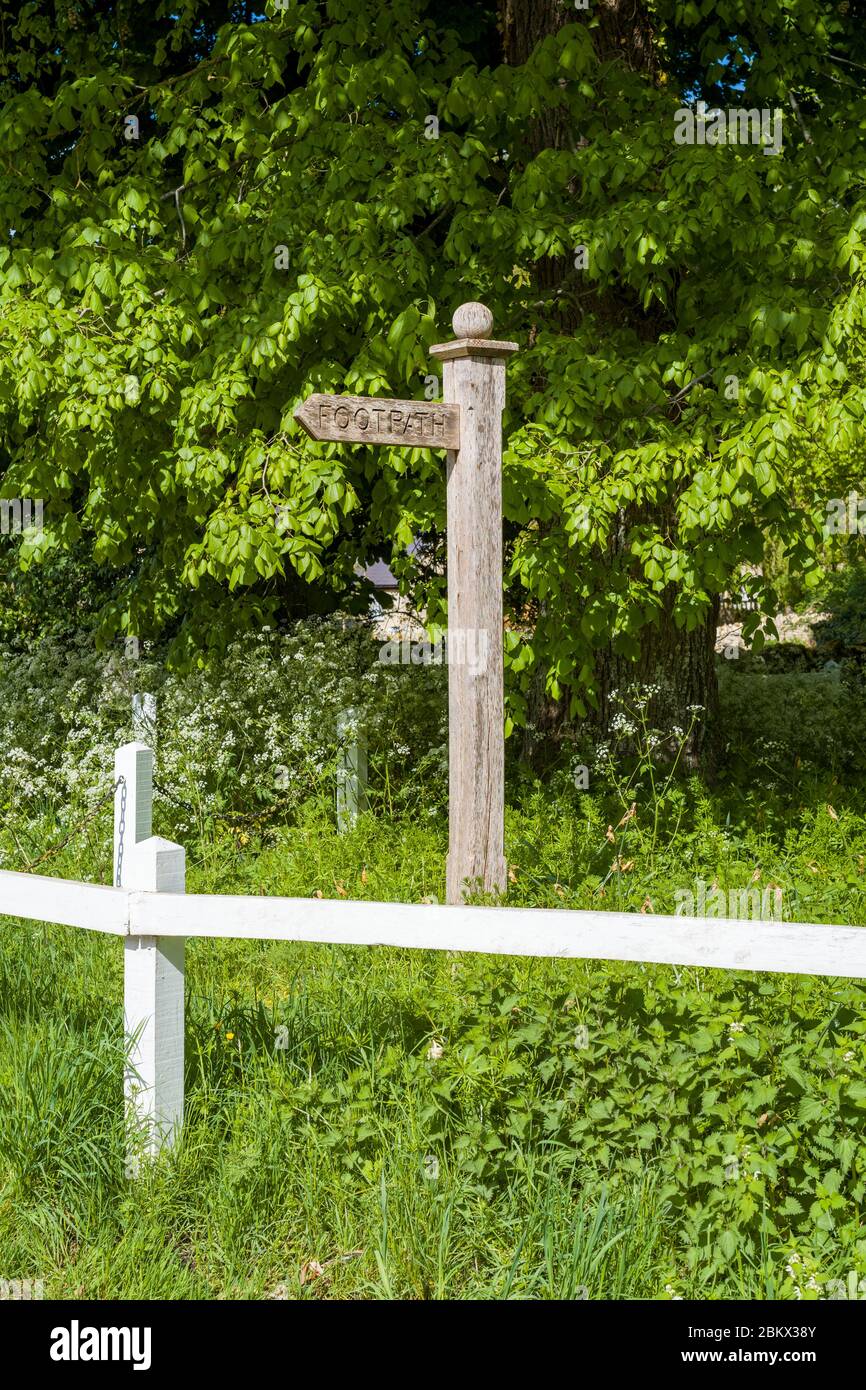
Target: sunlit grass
(321,1156)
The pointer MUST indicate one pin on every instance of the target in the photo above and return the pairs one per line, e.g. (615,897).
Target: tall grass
(323,1153)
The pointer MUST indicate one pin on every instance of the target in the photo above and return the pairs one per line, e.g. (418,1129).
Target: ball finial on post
(473,320)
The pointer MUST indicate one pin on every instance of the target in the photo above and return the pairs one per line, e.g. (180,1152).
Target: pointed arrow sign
(368,420)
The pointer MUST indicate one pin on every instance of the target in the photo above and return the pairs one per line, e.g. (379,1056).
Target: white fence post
(351,770)
(133,802)
(153,1008)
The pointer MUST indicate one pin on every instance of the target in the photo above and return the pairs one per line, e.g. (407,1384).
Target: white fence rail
(788,948)
(155,916)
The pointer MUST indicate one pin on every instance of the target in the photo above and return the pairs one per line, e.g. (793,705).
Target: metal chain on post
(118,879)
(170,796)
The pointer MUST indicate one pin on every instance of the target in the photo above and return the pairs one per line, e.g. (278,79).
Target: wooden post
(351,770)
(153,1009)
(474,379)
(133,802)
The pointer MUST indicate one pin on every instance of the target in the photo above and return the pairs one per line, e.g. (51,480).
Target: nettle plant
(702,1079)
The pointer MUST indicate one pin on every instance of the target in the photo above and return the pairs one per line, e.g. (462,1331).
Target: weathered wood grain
(370,420)
(476,714)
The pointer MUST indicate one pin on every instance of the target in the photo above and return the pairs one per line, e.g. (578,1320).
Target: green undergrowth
(383,1123)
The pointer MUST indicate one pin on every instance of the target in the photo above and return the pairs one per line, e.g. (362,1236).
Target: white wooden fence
(151,911)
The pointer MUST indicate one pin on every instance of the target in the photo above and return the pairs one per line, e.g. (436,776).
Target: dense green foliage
(155,338)
(686,402)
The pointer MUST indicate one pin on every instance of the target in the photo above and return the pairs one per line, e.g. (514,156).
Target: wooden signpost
(469,425)
(366,420)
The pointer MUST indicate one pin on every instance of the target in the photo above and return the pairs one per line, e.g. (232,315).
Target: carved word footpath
(366,420)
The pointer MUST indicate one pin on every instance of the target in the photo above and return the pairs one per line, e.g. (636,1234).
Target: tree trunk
(681,663)
(681,666)
(623,31)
